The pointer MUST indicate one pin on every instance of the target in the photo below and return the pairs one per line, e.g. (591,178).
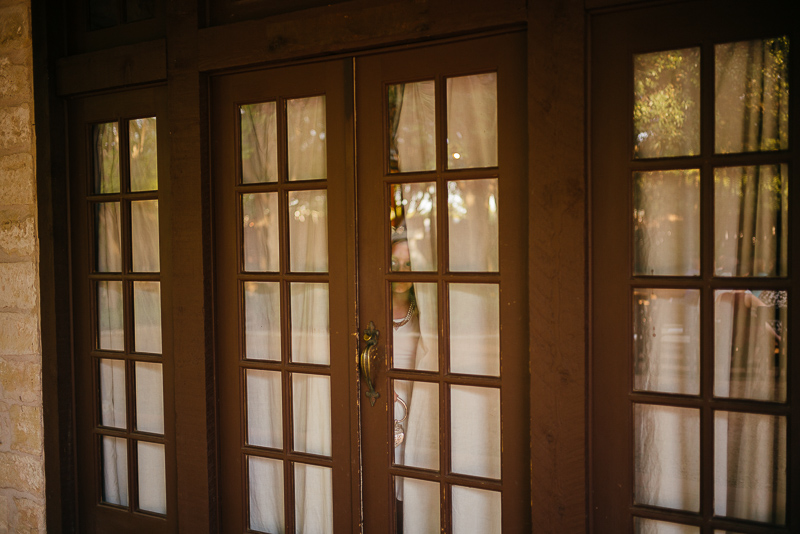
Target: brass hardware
(367,355)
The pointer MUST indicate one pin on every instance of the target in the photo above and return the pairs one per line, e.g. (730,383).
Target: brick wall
(21,446)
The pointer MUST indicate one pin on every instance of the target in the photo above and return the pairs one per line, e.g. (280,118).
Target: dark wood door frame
(182,57)
(616,37)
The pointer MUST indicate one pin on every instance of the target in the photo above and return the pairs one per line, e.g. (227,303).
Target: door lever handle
(367,356)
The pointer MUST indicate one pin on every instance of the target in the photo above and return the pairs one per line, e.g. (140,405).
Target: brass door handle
(367,355)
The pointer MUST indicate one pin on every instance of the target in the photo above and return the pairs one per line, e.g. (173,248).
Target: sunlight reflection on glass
(752,95)
(666,111)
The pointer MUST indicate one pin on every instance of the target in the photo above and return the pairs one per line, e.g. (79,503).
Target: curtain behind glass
(420,513)
(750,209)
(308,245)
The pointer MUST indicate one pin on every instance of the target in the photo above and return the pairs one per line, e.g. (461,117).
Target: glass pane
(475,431)
(667,457)
(313,505)
(412,127)
(475,329)
(476,510)
(260,232)
(472,216)
(666,339)
(152,477)
(264,408)
(108,229)
(143,153)
(666,109)
(149,397)
(472,121)
(115,470)
(305,128)
(308,231)
(415,339)
(105,156)
(311,413)
(112,393)
(262,326)
(110,333)
(147,317)
(652,526)
(310,324)
(144,236)
(751,333)
(417,506)
(751,221)
(259,123)
(139,10)
(413,221)
(416,424)
(752,95)
(266,495)
(750,466)
(666,223)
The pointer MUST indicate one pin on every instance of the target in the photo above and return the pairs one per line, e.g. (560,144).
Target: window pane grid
(710,284)
(114,318)
(282,296)
(447,277)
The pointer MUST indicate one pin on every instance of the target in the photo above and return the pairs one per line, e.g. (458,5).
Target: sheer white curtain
(311,409)
(476,250)
(750,334)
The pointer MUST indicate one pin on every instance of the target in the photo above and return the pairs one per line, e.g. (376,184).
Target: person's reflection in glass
(405,319)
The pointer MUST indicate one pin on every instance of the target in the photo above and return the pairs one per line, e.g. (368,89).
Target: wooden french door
(370,292)
(694,368)
(121,269)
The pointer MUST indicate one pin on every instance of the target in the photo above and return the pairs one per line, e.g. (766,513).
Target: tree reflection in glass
(666,109)
(752,95)
(143,154)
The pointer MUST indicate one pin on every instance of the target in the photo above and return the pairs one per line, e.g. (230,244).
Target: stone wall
(21,444)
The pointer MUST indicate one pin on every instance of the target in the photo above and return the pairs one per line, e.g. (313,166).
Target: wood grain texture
(557,264)
(116,67)
(349,27)
(190,262)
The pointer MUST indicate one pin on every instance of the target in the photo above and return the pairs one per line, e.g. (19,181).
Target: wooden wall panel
(557,266)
